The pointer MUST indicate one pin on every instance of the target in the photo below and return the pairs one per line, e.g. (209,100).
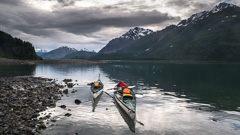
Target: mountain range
(65,52)
(58,53)
(208,35)
(82,54)
(40,52)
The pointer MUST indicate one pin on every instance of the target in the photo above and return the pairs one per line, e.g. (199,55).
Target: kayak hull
(129,121)
(96,94)
(130,111)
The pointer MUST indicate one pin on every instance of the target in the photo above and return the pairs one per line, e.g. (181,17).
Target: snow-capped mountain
(125,40)
(199,16)
(136,33)
(86,50)
(59,53)
(68,48)
(40,52)
(206,36)
(221,6)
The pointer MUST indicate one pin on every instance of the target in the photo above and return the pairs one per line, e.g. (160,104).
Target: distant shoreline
(56,61)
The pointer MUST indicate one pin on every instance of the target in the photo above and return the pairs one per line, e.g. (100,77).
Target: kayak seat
(97,85)
(127,97)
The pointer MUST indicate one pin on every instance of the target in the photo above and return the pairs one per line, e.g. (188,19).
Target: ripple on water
(161,112)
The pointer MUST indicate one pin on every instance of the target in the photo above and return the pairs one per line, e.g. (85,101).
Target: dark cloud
(77,21)
(11,2)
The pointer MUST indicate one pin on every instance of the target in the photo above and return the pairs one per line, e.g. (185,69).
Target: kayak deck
(96,89)
(127,102)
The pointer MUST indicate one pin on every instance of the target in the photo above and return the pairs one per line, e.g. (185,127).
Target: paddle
(139,122)
(109,95)
(99,77)
(93,82)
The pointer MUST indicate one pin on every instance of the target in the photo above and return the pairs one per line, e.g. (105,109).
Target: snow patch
(86,50)
(136,33)
(221,6)
(200,16)
(40,50)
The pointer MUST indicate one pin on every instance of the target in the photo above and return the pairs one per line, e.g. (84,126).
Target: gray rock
(68,114)
(77,101)
(63,106)
(22,99)
(65,91)
(70,85)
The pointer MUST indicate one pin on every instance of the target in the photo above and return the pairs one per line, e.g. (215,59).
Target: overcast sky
(91,24)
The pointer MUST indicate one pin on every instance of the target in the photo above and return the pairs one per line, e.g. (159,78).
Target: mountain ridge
(59,53)
(82,54)
(125,40)
(208,35)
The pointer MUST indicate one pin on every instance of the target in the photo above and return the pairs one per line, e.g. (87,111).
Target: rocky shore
(21,101)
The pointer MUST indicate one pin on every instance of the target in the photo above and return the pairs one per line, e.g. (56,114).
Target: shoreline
(22,101)
(56,61)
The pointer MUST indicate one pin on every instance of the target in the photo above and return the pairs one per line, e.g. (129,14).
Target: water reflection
(17,69)
(95,101)
(129,121)
(211,83)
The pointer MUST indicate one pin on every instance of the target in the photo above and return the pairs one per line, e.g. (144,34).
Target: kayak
(96,91)
(95,101)
(128,104)
(129,121)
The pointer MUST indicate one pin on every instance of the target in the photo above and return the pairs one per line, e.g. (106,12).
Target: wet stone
(77,101)
(68,114)
(21,101)
(63,106)
(65,91)
(42,126)
(70,85)
(53,120)
(67,80)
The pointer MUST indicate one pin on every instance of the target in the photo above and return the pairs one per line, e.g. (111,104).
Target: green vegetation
(15,48)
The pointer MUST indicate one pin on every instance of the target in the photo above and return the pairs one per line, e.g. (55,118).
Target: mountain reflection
(212,83)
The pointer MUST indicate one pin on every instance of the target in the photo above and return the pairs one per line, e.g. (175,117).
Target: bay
(172,97)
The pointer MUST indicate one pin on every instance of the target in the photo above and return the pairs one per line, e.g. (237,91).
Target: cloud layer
(90,24)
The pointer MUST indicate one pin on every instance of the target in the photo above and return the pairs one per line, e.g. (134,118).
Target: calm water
(172,98)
